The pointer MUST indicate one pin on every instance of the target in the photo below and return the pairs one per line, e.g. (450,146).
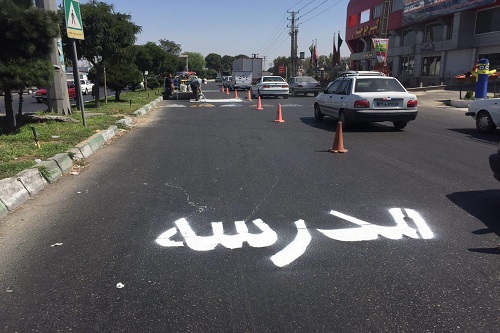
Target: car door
(339,96)
(325,100)
(494,110)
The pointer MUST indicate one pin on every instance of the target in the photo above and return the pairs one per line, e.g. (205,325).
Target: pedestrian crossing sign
(74,26)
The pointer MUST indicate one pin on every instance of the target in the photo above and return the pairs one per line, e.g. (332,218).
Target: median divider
(15,191)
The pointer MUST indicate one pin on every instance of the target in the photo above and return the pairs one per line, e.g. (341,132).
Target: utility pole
(264,64)
(57,94)
(293,51)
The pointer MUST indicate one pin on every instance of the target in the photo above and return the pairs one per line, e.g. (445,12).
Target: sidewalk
(16,190)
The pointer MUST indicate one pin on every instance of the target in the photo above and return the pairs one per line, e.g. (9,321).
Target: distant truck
(240,80)
(247,67)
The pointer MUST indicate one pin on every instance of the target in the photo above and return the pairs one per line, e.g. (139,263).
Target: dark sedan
(304,85)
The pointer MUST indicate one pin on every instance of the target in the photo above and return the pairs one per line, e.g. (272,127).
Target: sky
(233,27)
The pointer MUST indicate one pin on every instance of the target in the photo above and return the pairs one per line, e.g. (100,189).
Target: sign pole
(78,87)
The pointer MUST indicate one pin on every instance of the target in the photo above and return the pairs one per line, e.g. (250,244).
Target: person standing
(169,84)
(196,87)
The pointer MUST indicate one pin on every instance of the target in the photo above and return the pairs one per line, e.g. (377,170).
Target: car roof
(361,73)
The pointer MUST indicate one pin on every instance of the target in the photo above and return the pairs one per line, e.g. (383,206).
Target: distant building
(430,41)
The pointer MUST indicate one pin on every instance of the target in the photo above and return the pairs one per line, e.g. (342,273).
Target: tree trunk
(9,112)
(97,92)
(21,100)
(117,95)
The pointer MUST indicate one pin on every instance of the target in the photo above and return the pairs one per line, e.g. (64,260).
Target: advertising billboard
(423,10)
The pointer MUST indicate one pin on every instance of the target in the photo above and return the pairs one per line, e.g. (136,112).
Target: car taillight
(266,86)
(318,86)
(362,103)
(284,86)
(412,103)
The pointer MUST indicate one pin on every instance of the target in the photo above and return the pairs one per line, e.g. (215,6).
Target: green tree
(170,46)
(26,39)
(227,63)
(280,61)
(121,75)
(108,37)
(214,61)
(196,62)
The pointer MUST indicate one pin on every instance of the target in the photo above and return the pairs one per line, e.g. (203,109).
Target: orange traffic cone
(279,118)
(259,105)
(235,93)
(249,95)
(222,89)
(338,142)
(227,91)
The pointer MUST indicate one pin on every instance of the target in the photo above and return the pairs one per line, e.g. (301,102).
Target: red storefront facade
(430,41)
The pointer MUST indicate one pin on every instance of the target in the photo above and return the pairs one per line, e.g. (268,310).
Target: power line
(274,32)
(276,40)
(314,8)
(310,2)
(294,5)
(321,12)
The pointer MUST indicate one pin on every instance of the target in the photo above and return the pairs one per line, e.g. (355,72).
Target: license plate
(387,103)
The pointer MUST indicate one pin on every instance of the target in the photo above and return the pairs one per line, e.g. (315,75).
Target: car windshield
(378,84)
(272,79)
(306,79)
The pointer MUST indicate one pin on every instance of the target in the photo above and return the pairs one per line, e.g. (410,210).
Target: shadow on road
(330,124)
(474,134)
(483,205)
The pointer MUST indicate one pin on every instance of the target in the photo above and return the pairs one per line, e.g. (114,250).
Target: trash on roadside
(74,173)
(9,290)
(55,136)
(38,160)
(56,244)
(120,285)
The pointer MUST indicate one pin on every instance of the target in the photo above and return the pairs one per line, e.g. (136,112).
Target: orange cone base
(279,121)
(331,150)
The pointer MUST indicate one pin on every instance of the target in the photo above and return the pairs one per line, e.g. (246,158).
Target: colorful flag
(334,62)
(316,56)
(339,43)
(311,48)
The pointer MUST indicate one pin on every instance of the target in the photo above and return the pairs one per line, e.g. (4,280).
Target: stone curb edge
(15,191)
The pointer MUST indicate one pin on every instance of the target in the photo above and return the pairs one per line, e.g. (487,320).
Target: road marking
(230,105)
(364,231)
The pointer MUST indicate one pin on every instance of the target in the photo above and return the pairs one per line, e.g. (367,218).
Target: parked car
(27,90)
(218,78)
(86,86)
(240,80)
(304,85)
(486,112)
(270,86)
(366,98)
(41,93)
(495,163)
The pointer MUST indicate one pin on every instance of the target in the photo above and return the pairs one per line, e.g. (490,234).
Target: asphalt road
(397,235)
(30,105)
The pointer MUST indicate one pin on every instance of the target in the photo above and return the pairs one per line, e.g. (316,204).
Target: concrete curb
(15,191)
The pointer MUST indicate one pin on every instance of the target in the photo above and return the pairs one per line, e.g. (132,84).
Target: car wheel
(86,91)
(39,100)
(484,123)
(317,112)
(345,122)
(285,96)
(400,124)
(294,93)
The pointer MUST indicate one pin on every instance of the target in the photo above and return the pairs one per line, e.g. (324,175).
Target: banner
(380,46)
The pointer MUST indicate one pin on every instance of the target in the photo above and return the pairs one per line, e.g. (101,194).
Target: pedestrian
(196,87)
(168,88)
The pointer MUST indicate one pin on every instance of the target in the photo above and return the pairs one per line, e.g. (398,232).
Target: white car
(270,86)
(486,112)
(86,86)
(366,98)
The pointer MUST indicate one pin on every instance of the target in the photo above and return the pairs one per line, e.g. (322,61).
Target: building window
(407,64)
(378,10)
(431,66)
(434,32)
(365,16)
(409,37)
(397,5)
(353,20)
(488,21)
